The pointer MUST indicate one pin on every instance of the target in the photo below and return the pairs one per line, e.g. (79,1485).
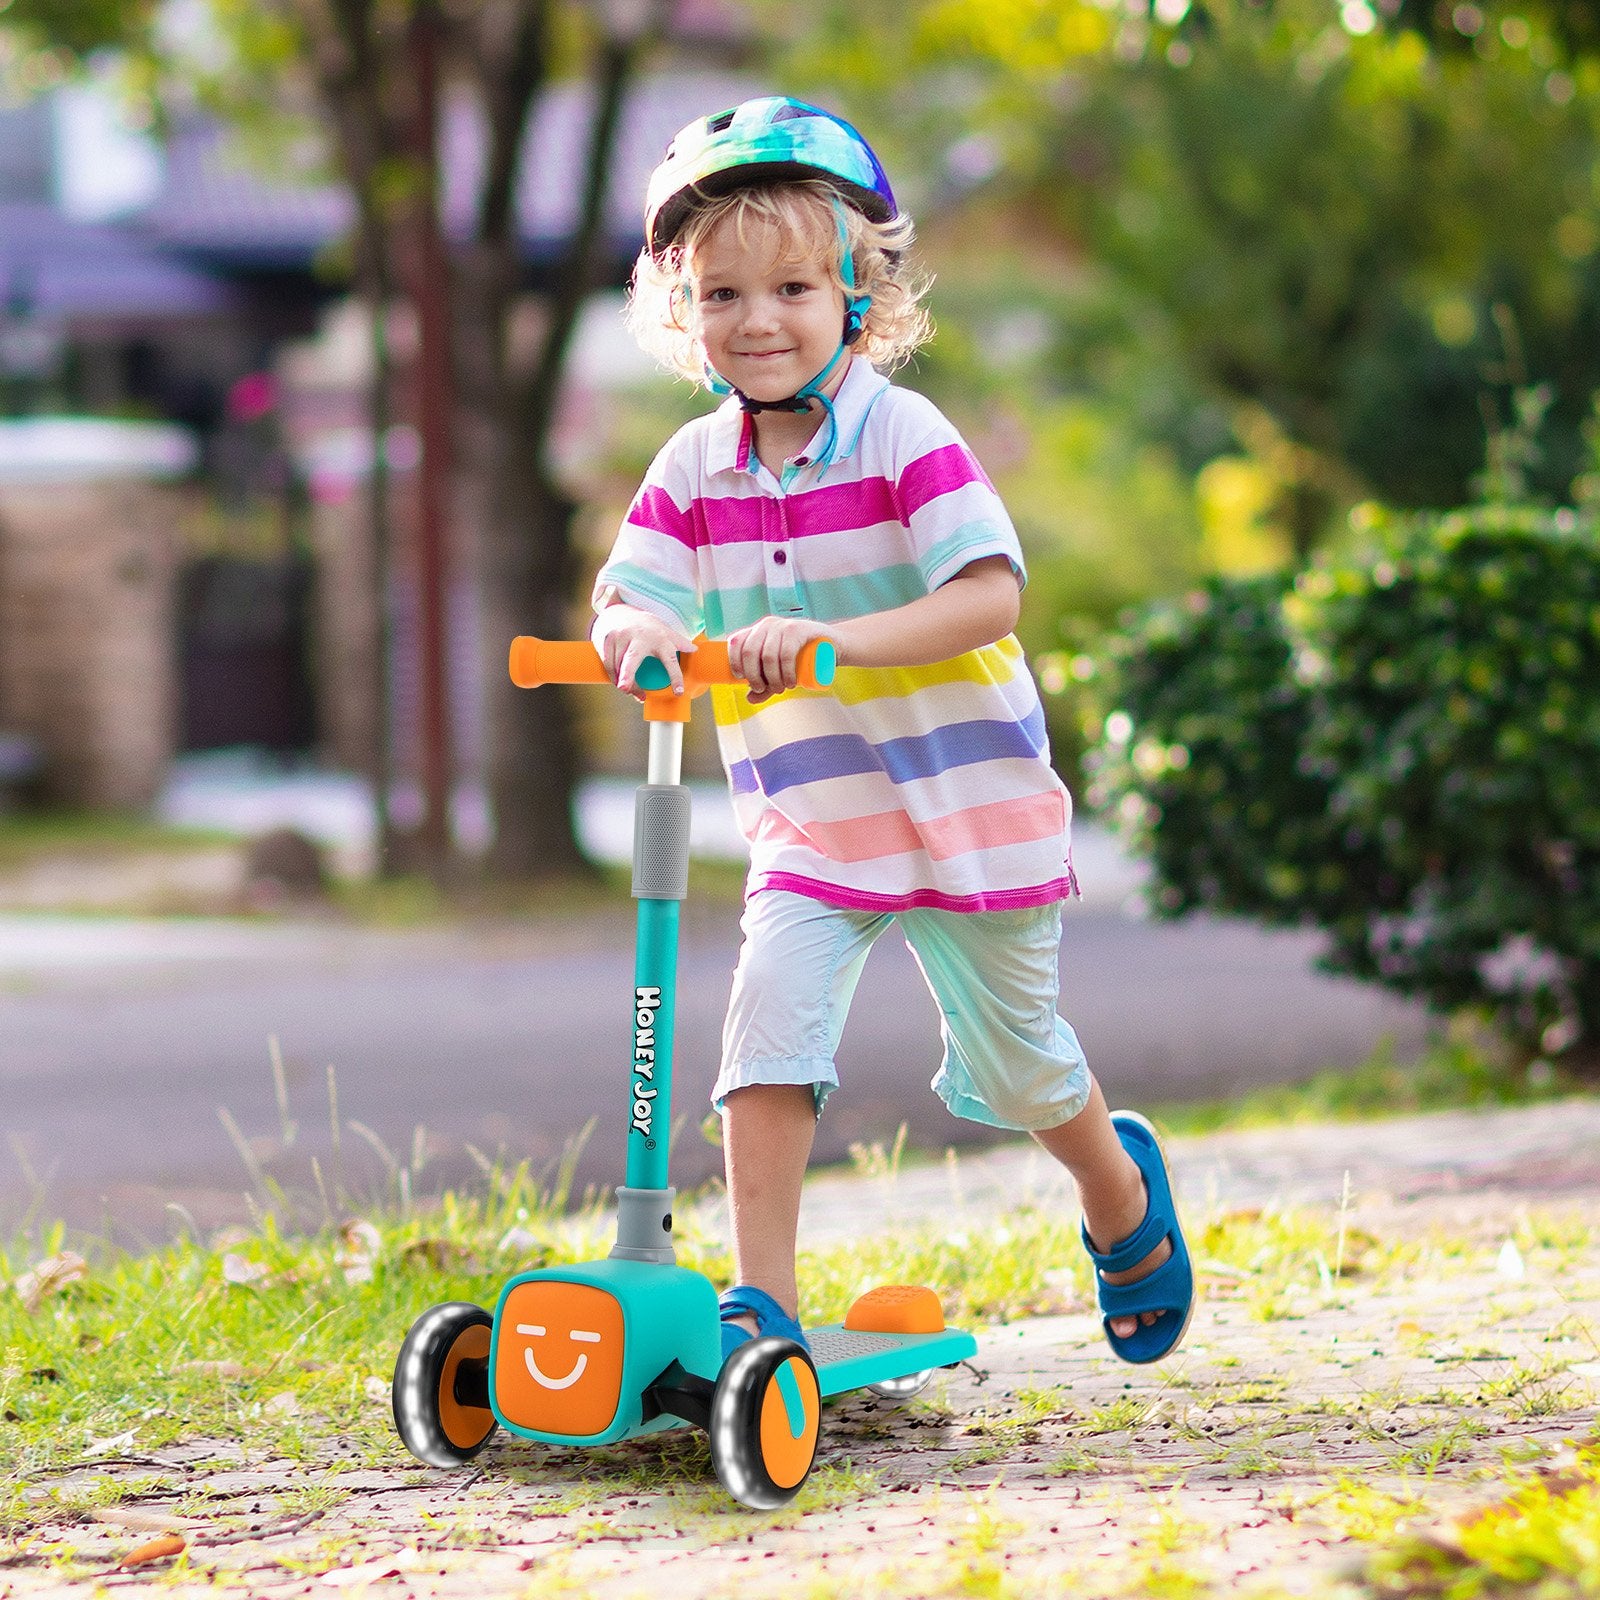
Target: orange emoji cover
(559,1364)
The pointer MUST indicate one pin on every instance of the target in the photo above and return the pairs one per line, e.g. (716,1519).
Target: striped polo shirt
(899,786)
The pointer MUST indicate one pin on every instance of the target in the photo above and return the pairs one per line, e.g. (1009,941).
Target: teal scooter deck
(847,1359)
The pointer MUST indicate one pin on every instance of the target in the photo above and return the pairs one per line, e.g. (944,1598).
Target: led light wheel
(903,1388)
(441,1385)
(765,1416)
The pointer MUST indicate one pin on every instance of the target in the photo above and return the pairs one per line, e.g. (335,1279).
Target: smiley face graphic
(558,1368)
(532,1330)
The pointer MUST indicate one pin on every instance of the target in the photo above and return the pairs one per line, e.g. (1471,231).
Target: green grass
(597,901)
(1538,1537)
(1460,1070)
(146,1351)
(412,900)
(270,1337)
(267,1335)
(28,836)
(164,1345)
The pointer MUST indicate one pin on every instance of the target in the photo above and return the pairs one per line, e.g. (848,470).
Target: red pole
(434,405)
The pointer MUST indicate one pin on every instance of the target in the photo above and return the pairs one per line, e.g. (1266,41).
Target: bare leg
(1110,1187)
(767,1129)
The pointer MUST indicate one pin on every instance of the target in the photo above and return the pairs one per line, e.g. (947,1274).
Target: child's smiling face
(766,308)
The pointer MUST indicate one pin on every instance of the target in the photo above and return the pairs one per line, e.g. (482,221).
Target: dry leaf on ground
(162,1549)
(134,1520)
(359,1255)
(238,1269)
(443,1255)
(391,1566)
(112,1445)
(49,1277)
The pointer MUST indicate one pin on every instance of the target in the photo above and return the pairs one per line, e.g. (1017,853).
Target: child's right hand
(625,636)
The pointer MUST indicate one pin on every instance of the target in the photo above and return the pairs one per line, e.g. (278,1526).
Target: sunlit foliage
(1366,222)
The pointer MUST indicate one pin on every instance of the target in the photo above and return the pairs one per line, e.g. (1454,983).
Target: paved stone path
(1046,1467)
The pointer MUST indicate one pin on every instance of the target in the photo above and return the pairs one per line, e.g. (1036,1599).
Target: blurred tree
(376,70)
(1453,27)
(1353,238)
(372,70)
(1074,420)
(70,30)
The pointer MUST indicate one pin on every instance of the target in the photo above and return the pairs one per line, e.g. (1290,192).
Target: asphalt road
(120,1043)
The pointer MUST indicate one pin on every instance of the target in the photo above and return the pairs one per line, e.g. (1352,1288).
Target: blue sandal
(745,1300)
(1169,1289)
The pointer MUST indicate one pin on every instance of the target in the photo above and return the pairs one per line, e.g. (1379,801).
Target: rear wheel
(765,1417)
(441,1385)
(901,1389)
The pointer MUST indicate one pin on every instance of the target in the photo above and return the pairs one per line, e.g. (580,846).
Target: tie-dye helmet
(766,140)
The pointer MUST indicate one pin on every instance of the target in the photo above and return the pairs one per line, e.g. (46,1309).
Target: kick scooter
(632,1344)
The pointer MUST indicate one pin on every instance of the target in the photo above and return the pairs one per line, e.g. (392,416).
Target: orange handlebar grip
(537,661)
(709,663)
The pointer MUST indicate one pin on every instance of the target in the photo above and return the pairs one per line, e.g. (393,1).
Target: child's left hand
(765,654)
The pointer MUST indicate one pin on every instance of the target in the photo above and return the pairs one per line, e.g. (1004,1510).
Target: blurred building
(209,305)
(90,564)
(92,502)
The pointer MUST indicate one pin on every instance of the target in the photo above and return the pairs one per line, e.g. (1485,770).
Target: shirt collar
(731,440)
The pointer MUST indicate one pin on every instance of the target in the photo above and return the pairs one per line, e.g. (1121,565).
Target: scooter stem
(660,882)
(666,753)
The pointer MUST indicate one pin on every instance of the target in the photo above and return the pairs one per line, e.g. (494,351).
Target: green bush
(1403,750)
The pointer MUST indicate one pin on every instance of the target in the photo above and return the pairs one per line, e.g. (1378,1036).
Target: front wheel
(441,1385)
(765,1417)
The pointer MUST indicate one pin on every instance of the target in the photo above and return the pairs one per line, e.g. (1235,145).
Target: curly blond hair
(808,217)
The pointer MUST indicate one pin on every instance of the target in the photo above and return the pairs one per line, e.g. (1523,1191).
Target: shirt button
(779,557)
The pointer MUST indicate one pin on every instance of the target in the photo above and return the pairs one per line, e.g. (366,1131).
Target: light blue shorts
(1009,1060)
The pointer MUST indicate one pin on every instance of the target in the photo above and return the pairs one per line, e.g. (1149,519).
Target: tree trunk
(435,540)
(376,291)
(522,525)
(534,759)
(1309,510)
(534,762)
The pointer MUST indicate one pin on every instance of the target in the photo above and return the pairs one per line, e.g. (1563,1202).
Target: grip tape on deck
(661,842)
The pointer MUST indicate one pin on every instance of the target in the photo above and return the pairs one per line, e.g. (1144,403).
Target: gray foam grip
(661,842)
